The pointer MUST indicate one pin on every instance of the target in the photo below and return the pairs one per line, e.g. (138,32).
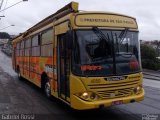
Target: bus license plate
(117,102)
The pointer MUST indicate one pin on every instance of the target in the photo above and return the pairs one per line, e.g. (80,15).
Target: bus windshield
(105,52)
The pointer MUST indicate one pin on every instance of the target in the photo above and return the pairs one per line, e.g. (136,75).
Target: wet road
(21,97)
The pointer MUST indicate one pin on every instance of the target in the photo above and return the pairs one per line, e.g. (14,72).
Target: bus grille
(114,89)
(115,93)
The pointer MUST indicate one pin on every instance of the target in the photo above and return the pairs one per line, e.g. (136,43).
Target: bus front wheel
(45,85)
(47,89)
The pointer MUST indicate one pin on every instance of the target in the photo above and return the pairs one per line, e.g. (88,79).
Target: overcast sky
(26,14)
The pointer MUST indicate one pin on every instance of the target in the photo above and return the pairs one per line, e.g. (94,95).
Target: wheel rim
(48,89)
(19,75)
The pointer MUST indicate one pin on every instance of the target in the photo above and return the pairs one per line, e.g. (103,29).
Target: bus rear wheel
(19,74)
(47,89)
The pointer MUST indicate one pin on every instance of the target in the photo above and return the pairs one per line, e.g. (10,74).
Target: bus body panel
(107,88)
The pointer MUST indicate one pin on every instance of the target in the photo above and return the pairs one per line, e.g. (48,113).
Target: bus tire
(48,89)
(19,74)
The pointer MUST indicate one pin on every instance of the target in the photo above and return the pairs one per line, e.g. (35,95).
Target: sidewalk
(151,74)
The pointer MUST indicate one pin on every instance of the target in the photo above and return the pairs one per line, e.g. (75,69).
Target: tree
(149,57)
(4,35)
(157,44)
(148,52)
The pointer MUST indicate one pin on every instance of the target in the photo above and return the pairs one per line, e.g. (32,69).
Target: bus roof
(69,8)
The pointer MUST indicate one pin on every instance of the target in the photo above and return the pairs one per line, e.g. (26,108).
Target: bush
(150,64)
(148,56)
(148,52)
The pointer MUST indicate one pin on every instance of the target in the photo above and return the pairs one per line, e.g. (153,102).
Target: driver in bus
(103,49)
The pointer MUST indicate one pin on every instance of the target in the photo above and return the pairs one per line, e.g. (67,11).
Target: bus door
(63,60)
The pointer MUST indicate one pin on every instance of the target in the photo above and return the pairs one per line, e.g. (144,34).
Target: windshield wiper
(120,38)
(119,41)
(123,35)
(100,34)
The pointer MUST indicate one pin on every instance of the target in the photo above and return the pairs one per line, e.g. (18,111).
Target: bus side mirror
(69,39)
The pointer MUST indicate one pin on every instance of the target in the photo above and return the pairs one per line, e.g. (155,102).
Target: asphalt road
(23,98)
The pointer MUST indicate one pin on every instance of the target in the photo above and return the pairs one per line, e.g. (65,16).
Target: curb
(151,74)
(152,78)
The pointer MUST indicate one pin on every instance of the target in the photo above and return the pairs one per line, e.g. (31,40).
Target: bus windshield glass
(105,52)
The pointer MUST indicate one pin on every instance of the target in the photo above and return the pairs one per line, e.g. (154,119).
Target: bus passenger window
(27,47)
(21,48)
(47,43)
(17,49)
(35,46)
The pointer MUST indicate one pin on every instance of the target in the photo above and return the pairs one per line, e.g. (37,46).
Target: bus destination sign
(105,20)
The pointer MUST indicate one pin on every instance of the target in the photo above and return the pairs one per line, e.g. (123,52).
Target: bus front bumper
(80,104)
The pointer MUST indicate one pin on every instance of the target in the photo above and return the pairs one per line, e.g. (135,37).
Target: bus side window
(35,46)
(17,49)
(21,48)
(47,43)
(27,47)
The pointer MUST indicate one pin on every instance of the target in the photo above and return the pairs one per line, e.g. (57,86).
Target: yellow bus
(86,59)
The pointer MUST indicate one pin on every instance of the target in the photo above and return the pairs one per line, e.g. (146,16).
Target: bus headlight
(137,89)
(85,95)
(89,96)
